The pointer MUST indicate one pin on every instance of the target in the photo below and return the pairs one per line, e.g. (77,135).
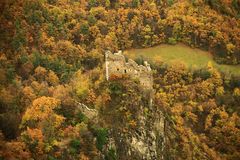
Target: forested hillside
(52,59)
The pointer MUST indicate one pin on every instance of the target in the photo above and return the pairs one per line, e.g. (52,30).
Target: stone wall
(116,64)
(89,113)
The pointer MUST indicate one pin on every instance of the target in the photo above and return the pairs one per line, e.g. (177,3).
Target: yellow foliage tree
(42,125)
(40,73)
(13,150)
(52,78)
(40,110)
(81,84)
(34,138)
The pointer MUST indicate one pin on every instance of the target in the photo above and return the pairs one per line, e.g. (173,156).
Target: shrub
(170,2)
(139,60)
(23,58)
(92,3)
(81,117)
(116,88)
(75,143)
(19,38)
(111,154)
(91,20)
(84,29)
(51,30)
(101,138)
(202,73)
(10,73)
(135,3)
(172,41)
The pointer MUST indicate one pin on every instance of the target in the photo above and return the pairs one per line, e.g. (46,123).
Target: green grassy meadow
(192,57)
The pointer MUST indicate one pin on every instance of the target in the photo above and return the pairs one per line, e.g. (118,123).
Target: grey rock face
(145,142)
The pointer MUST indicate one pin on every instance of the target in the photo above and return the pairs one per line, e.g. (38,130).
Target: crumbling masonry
(116,64)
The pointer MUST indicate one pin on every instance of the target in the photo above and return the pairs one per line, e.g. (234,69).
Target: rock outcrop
(146,140)
(89,113)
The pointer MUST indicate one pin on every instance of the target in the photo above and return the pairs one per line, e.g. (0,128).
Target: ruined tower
(148,140)
(117,64)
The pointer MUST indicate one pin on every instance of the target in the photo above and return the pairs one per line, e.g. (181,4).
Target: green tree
(92,3)
(101,138)
(135,3)
(19,39)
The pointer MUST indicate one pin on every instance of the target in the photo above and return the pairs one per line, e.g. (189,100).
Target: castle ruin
(116,64)
(148,140)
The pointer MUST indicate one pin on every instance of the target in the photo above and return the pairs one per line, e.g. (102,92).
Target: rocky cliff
(145,142)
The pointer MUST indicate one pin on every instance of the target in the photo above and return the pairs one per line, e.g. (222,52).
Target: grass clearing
(192,57)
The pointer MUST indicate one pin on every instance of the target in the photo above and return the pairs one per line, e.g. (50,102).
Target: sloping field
(192,57)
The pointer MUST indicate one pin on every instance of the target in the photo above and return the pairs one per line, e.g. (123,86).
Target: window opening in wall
(117,69)
(125,71)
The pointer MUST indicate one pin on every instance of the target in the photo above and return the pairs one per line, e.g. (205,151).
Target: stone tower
(117,64)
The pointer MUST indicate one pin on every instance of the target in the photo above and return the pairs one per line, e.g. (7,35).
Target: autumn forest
(55,101)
